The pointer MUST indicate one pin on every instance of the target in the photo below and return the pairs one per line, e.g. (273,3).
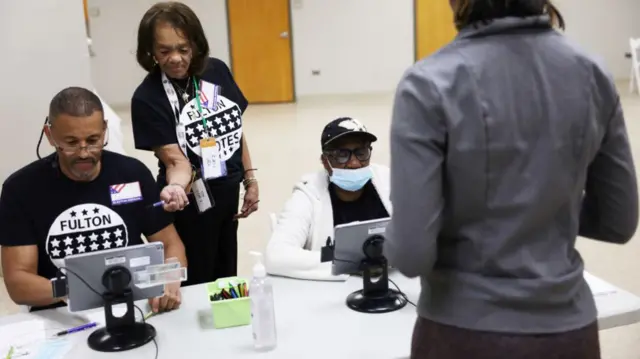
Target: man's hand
(251,199)
(174,197)
(169,301)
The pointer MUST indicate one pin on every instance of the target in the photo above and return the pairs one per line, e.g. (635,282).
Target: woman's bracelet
(248,181)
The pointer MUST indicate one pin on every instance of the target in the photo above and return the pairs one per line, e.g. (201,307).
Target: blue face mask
(351,179)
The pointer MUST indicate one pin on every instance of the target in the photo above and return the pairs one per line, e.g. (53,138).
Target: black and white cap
(343,126)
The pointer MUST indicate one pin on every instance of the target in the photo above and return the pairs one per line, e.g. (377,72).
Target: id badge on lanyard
(212,166)
(204,199)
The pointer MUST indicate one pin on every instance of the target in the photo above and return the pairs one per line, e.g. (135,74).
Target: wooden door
(260,42)
(434,26)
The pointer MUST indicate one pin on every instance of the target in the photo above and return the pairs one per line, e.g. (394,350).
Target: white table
(313,322)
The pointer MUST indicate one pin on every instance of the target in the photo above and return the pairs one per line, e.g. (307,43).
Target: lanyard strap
(172,96)
(195,86)
(175,105)
(175,108)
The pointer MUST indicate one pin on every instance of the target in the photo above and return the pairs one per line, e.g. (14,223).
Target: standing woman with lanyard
(188,111)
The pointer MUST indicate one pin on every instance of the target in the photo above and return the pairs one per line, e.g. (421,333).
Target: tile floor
(284,143)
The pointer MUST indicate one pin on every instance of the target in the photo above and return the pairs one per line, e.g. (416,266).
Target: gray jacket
(505,146)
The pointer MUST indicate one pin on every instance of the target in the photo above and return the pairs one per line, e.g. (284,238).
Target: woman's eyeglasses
(343,155)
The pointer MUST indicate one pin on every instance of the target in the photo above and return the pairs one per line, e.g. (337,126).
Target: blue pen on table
(76,329)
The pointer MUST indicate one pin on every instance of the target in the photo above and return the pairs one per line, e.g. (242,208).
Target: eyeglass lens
(343,155)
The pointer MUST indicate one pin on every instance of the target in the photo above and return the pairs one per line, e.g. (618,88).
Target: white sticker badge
(209,94)
(125,193)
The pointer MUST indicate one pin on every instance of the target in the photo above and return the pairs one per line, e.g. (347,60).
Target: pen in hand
(162,203)
(157,204)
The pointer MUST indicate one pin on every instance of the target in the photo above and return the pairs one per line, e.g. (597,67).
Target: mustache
(85,160)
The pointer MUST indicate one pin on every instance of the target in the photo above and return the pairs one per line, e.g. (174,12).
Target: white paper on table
(24,336)
(52,349)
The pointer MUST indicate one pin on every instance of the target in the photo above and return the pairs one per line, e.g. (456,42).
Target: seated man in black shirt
(349,189)
(80,199)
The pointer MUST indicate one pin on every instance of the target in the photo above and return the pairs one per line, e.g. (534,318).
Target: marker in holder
(230,303)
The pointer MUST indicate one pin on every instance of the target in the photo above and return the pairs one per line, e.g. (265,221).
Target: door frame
(415,31)
(294,98)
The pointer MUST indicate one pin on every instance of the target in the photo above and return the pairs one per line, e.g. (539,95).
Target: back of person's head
(183,19)
(76,102)
(473,12)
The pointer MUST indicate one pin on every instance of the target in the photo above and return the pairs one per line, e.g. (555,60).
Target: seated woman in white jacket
(349,189)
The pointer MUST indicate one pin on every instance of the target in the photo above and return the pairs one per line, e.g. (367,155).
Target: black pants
(211,238)
(432,340)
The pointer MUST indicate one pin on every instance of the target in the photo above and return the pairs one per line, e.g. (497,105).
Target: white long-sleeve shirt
(306,222)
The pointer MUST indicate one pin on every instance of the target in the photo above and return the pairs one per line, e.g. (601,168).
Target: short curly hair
(182,18)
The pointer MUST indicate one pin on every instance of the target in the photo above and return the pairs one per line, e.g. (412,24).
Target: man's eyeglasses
(343,155)
(73,149)
(92,146)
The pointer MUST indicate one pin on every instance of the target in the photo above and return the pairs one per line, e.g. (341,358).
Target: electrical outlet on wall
(297,4)
(315,72)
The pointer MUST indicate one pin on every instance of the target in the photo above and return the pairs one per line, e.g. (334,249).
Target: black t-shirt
(367,207)
(39,205)
(154,121)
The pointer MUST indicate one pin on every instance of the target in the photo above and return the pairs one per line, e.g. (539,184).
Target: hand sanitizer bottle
(262,311)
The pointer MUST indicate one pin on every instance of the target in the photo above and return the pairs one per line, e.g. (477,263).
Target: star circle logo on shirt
(224,123)
(85,228)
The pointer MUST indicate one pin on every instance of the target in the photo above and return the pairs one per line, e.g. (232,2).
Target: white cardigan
(305,223)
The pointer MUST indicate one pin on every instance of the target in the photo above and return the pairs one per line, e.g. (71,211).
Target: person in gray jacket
(506,145)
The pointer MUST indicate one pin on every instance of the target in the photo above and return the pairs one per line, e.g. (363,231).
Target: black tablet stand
(375,295)
(121,333)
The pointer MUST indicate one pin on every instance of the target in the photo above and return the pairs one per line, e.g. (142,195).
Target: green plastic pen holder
(229,313)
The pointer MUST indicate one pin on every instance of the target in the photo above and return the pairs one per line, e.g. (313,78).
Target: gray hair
(74,101)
